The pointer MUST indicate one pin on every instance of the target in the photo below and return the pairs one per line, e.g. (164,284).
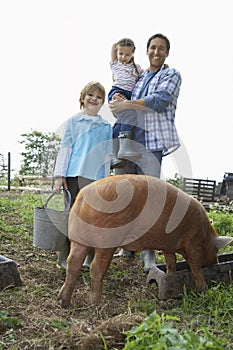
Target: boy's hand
(59,183)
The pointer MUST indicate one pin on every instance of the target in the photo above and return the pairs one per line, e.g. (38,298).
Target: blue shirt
(86,148)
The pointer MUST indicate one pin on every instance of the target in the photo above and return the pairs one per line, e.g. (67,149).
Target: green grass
(203,321)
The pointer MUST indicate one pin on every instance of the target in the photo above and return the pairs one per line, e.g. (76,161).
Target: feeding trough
(9,274)
(172,285)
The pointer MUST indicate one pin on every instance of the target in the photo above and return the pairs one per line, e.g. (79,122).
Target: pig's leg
(198,277)
(75,260)
(170,260)
(98,269)
(194,261)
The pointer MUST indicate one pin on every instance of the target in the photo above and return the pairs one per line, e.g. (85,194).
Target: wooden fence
(201,189)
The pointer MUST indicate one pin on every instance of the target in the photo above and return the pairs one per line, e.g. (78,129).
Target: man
(153,105)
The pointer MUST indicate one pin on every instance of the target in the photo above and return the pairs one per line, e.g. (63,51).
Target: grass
(30,317)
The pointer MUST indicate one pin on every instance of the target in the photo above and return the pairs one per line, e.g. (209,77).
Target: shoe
(62,266)
(126,146)
(117,163)
(148,259)
(88,259)
(124,252)
(63,254)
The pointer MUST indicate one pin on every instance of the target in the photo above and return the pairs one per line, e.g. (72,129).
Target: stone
(9,274)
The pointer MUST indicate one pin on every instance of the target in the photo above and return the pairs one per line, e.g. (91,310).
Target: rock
(9,274)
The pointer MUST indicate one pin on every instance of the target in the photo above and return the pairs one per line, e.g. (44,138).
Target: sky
(51,48)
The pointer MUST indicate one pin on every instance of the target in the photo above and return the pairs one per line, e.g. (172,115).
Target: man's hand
(118,97)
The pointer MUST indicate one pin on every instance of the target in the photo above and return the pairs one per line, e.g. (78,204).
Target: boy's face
(92,102)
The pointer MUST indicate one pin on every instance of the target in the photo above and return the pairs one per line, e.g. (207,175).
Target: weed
(159,332)
(8,322)
(145,306)
(59,324)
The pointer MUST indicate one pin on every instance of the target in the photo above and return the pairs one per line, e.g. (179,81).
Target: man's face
(157,53)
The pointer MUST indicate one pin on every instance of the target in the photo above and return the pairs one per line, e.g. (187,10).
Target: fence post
(9,172)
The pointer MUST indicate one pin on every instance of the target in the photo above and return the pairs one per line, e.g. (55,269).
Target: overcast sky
(51,48)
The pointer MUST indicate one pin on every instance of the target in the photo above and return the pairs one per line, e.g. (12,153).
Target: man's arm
(119,105)
(168,87)
(157,101)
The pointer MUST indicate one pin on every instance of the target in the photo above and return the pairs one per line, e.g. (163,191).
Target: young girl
(85,150)
(125,74)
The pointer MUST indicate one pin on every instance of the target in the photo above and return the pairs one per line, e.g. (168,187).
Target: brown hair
(91,86)
(126,42)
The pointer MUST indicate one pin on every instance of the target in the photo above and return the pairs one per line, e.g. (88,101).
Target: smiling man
(152,108)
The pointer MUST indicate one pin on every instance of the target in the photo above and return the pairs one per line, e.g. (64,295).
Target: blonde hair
(90,87)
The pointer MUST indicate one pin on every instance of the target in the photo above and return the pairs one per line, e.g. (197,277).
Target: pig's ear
(222,241)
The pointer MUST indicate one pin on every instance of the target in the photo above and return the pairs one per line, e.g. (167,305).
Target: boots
(124,252)
(63,254)
(89,258)
(126,146)
(148,259)
(115,162)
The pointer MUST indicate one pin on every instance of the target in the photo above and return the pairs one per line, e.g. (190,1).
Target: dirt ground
(45,325)
(126,301)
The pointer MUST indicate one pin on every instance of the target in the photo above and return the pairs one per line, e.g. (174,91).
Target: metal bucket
(50,229)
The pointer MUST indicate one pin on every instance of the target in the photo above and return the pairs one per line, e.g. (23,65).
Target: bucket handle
(67,199)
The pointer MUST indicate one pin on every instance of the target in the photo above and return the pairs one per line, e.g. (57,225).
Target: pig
(137,212)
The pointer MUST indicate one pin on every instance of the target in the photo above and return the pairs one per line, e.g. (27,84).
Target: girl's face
(92,102)
(124,54)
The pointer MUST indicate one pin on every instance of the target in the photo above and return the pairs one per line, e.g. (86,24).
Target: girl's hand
(116,106)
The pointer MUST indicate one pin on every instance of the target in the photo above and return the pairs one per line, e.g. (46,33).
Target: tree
(40,153)
(3,166)
(176,181)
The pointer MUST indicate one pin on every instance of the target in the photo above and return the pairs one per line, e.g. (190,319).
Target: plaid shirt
(160,96)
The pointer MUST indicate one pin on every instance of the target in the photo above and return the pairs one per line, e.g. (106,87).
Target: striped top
(125,76)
